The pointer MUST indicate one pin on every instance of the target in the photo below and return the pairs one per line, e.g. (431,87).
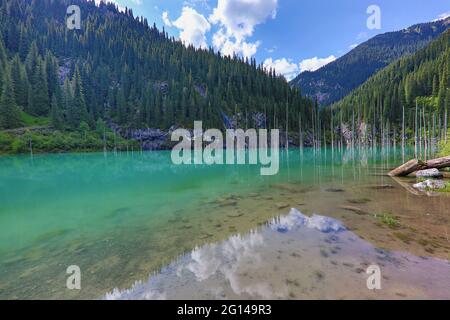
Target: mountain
(117,69)
(416,86)
(335,80)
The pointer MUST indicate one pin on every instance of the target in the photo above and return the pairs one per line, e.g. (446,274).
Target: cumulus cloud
(290,70)
(228,47)
(166,20)
(283,67)
(315,63)
(193,27)
(237,20)
(239,17)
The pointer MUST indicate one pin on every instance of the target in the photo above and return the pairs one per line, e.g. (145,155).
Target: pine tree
(77,111)
(3,60)
(41,100)
(9,112)
(20,83)
(23,43)
(32,60)
(56,118)
(121,107)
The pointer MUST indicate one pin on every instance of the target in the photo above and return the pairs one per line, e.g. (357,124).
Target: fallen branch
(416,165)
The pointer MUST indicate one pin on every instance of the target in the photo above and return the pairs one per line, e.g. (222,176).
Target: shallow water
(294,257)
(122,217)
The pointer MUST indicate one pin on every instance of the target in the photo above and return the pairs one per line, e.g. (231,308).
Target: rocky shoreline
(431,180)
(156,139)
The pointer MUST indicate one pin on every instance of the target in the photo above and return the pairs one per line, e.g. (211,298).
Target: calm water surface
(122,217)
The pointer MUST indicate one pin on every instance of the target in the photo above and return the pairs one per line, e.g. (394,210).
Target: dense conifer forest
(337,79)
(87,89)
(408,100)
(120,69)
(119,66)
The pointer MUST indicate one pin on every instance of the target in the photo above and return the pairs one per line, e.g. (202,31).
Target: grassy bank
(46,140)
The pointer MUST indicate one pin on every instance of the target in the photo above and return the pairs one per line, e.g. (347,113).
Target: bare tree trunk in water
(403,134)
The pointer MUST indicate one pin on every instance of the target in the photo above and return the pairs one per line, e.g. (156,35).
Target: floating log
(416,165)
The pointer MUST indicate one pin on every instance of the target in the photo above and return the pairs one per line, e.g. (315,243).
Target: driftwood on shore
(416,165)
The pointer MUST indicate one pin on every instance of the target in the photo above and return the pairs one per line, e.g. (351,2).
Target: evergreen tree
(9,112)
(20,83)
(77,111)
(56,118)
(3,60)
(41,101)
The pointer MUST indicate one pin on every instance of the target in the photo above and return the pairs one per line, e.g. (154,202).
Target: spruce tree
(41,100)
(3,60)
(77,111)
(9,112)
(56,118)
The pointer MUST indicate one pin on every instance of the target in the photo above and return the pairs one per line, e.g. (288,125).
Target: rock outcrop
(430,184)
(430,173)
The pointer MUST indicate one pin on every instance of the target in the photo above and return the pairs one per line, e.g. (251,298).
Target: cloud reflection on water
(294,256)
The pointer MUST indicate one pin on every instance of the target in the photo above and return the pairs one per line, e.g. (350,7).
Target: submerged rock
(430,173)
(430,184)
(382,187)
(334,190)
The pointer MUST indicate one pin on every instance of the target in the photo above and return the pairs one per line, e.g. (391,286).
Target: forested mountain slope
(335,80)
(419,85)
(119,68)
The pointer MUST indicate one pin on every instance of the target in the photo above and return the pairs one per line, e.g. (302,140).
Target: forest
(337,79)
(87,89)
(408,101)
(119,69)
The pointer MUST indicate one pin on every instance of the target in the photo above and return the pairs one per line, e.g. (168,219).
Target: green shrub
(47,140)
(390,220)
(5,142)
(444,149)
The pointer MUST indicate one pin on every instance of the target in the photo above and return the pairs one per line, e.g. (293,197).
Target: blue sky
(289,35)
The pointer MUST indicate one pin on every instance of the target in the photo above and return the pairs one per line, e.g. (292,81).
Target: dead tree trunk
(416,165)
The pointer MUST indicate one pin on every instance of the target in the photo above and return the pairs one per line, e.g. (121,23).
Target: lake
(128,217)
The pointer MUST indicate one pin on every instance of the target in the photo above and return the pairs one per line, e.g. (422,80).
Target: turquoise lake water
(121,217)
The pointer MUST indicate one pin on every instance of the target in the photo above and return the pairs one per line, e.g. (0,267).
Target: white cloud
(239,17)
(237,20)
(315,63)
(192,25)
(353,46)
(283,67)
(166,20)
(228,47)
